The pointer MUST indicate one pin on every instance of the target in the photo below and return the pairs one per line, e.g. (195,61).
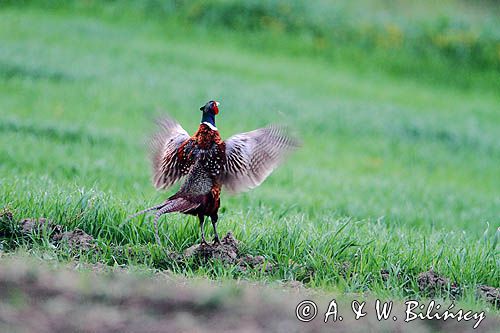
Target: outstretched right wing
(171,158)
(252,156)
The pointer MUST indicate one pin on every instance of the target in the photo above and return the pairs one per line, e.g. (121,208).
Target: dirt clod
(254,261)
(251,260)
(30,225)
(6,214)
(384,273)
(490,294)
(294,285)
(7,227)
(228,252)
(430,283)
(344,269)
(76,239)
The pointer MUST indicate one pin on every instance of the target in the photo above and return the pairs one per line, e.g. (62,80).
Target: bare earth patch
(431,284)
(490,294)
(29,225)
(228,252)
(76,239)
(36,298)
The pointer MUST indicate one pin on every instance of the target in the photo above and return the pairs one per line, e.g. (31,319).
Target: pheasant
(207,163)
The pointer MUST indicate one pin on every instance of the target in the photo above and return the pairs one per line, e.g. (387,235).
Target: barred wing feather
(170,162)
(252,156)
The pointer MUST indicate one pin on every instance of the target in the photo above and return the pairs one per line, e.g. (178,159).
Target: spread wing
(170,153)
(252,156)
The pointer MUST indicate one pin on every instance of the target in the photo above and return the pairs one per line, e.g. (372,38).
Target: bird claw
(216,241)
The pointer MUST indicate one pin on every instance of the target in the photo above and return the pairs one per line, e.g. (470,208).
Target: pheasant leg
(202,222)
(214,219)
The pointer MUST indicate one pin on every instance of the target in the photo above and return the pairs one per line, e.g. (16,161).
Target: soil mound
(76,239)
(227,251)
(490,294)
(430,283)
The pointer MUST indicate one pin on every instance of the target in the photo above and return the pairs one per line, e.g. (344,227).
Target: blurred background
(416,39)
(397,103)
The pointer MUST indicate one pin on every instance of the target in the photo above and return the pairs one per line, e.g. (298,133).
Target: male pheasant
(207,163)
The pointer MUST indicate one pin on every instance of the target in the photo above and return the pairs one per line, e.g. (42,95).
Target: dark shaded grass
(454,141)
(64,134)
(9,71)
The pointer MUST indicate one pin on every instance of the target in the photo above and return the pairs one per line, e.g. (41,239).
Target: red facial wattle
(215,108)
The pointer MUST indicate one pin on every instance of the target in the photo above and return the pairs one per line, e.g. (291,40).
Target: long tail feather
(169,206)
(174,205)
(157,207)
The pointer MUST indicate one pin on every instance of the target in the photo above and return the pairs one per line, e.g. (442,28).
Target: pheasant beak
(216,107)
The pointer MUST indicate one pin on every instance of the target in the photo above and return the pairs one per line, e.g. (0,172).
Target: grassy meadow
(399,168)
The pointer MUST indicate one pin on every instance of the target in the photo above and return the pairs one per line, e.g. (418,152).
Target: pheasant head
(209,111)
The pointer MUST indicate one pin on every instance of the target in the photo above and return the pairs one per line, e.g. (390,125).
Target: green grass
(395,173)
(452,42)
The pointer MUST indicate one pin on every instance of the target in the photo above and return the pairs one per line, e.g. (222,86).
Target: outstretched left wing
(171,157)
(252,156)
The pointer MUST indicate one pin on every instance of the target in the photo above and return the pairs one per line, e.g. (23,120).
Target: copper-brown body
(205,139)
